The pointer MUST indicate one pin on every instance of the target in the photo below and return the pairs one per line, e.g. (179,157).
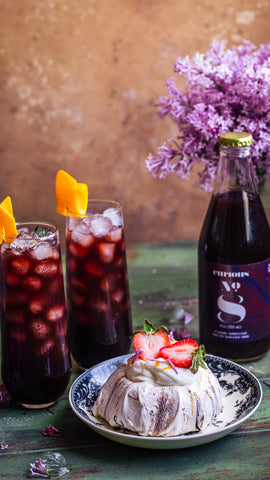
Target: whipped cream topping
(160,373)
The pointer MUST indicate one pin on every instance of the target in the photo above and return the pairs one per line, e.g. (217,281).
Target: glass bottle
(234,259)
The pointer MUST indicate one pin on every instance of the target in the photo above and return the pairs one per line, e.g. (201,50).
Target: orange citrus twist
(8,230)
(71,196)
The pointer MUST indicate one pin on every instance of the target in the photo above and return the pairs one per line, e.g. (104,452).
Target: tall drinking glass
(36,364)
(98,301)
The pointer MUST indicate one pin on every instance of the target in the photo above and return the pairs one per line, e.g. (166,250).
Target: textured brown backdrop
(79,83)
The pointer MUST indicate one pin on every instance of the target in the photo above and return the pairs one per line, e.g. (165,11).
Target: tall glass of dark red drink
(36,363)
(98,301)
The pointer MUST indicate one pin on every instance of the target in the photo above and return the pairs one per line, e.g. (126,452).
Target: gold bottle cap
(235,139)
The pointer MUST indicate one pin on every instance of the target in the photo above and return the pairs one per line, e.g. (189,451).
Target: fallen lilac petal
(34,473)
(3,446)
(184,333)
(188,318)
(38,469)
(266,383)
(51,431)
(53,464)
(50,410)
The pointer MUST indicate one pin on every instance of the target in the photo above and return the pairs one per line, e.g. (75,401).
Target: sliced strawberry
(180,353)
(150,343)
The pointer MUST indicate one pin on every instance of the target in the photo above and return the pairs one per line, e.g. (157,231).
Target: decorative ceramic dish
(242,392)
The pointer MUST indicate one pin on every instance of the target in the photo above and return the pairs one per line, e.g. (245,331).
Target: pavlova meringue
(155,397)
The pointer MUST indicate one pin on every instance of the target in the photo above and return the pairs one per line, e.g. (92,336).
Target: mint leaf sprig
(198,359)
(150,328)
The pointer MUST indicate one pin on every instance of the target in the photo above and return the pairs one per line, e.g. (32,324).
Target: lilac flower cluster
(225,90)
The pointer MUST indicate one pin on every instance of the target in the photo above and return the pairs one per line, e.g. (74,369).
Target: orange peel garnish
(71,196)
(8,230)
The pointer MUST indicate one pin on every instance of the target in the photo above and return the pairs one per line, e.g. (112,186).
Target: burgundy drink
(235,232)
(97,285)
(36,363)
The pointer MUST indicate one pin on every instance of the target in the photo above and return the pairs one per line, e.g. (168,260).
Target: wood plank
(160,285)
(85,450)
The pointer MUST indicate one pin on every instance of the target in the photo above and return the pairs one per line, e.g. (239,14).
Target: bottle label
(238,301)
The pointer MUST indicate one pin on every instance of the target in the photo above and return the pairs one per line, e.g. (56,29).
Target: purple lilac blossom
(225,90)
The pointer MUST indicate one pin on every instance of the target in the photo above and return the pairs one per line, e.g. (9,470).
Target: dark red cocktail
(36,363)
(97,284)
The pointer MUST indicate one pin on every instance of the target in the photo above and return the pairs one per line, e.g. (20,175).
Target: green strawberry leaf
(150,329)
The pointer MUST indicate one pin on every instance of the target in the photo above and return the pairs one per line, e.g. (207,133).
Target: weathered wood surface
(162,281)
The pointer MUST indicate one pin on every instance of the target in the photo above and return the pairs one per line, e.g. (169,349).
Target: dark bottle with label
(234,259)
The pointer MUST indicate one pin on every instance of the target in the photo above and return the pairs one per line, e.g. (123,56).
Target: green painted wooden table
(163,281)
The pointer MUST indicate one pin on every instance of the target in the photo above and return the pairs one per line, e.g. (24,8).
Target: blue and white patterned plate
(242,392)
